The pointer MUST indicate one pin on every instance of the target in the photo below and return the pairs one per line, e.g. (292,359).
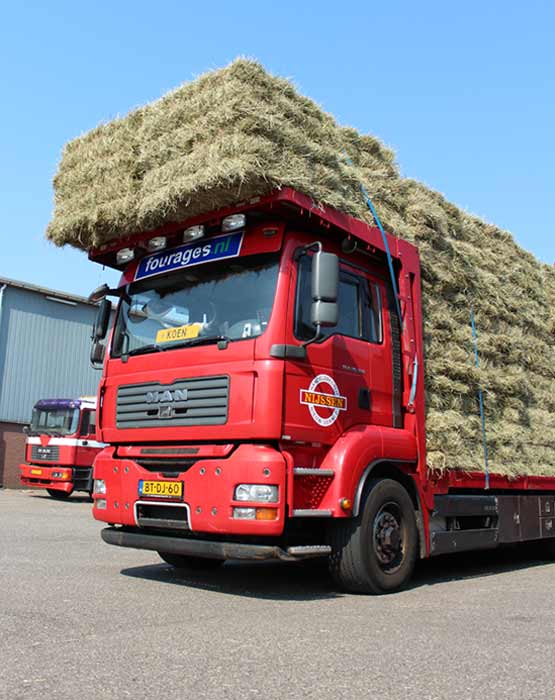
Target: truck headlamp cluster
(125,255)
(233,222)
(255,513)
(256,493)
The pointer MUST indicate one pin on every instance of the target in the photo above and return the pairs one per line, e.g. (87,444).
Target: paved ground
(81,619)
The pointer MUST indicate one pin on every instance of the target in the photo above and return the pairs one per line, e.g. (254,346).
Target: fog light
(57,475)
(99,486)
(258,493)
(157,243)
(193,233)
(125,255)
(244,513)
(100,503)
(233,222)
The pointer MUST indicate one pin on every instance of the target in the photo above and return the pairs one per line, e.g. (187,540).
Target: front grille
(202,401)
(172,517)
(50,453)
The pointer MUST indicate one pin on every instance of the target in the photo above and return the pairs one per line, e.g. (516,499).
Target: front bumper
(208,490)
(208,549)
(39,477)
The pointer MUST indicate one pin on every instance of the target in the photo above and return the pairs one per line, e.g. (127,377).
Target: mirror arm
(316,247)
(314,338)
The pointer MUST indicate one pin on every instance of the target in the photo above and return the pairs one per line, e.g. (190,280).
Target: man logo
(166,396)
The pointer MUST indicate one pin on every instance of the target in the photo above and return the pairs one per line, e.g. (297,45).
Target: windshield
(219,301)
(61,421)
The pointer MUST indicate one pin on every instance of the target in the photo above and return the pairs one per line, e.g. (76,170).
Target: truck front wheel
(376,551)
(182,561)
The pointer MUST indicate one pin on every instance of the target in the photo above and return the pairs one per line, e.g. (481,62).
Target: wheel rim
(388,537)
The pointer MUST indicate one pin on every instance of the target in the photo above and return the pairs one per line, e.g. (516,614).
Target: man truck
(262,397)
(61,446)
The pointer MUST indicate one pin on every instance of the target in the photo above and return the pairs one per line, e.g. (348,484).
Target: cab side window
(359,307)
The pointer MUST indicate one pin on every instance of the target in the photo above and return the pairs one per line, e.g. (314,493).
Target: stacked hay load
(240,132)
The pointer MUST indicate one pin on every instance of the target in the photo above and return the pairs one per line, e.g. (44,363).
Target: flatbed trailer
(261,398)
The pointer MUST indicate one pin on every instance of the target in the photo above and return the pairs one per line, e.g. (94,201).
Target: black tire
(548,548)
(376,551)
(182,561)
(59,495)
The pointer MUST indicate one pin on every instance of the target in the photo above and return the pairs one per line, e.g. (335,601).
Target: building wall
(12,452)
(44,353)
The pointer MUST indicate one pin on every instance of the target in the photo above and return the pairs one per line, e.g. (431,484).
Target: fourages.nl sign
(218,248)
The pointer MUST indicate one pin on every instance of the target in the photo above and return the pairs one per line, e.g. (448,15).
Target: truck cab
(255,369)
(61,446)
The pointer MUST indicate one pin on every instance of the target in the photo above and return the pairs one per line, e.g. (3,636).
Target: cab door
(86,449)
(344,380)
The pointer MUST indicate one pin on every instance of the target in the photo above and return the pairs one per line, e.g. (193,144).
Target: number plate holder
(168,490)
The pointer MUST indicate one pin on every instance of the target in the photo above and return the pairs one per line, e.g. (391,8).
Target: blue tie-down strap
(386,244)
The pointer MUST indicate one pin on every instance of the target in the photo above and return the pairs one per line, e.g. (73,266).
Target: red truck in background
(61,446)
(261,398)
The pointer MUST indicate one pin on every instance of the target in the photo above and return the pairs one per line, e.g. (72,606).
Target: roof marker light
(233,222)
(193,233)
(157,243)
(125,255)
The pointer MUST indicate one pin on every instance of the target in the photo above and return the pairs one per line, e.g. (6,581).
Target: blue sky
(464,93)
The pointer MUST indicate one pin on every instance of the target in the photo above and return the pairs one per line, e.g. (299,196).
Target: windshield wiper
(199,340)
(145,349)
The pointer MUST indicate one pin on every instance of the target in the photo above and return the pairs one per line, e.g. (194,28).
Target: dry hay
(239,132)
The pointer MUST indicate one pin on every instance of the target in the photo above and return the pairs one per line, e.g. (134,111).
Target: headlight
(193,233)
(257,493)
(100,487)
(233,222)
(157,243)
(125,255)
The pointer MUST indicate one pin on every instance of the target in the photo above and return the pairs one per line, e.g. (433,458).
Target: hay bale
(240,132)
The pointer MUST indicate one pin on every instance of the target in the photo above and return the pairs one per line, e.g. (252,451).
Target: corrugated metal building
(44,353)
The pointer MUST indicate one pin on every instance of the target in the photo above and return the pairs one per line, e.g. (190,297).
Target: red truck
(61,446)
(261,399)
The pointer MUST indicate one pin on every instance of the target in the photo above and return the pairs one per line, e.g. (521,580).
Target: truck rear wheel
(59,495)
(182,561)
(376,551)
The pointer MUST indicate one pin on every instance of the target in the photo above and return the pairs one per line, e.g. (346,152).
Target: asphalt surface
(79,618)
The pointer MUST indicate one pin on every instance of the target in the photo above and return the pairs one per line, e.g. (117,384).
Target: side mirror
(100,328)
(97,354)
(102,292)
(26,429)
(325,288)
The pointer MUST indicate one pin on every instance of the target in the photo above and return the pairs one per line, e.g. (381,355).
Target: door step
(306,471)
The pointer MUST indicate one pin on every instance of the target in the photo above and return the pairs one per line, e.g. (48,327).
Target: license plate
(161,489)
(38,472)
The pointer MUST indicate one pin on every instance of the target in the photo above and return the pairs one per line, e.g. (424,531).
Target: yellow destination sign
(167,335)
